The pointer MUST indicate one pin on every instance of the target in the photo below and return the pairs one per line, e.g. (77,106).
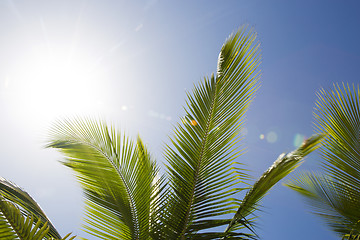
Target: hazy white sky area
(131,63)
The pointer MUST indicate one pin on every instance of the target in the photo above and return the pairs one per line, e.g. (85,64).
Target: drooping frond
(14,194)
(335,195)
(284,165)
(117,177)
(202,170)
(337,203)
(15,225)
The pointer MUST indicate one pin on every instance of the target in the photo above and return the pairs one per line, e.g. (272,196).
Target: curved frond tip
(202,168)
(116,174)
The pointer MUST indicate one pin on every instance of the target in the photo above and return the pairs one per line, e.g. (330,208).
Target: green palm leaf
(18,226)
(28,205)
(335,202)
(117,176)
(284,165)
(124,197)
(202,169)
(334,195)
(6,230)
(351,237)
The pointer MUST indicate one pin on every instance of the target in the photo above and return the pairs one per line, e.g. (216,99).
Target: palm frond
(18,226)
(68,237)
(201,160)
(284,165)
(338,115)
(334,195)
(337,203)
(117,176)
(351,237)
(6,230)
(27,204)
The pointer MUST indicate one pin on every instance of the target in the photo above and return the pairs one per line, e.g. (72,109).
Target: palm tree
(126,195)
(335,194)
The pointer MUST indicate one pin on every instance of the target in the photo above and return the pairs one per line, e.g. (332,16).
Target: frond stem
(204,142)
(130,197)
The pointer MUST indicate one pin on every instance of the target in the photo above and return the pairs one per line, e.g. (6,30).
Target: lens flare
(298,139)
(271,137)
(193,122)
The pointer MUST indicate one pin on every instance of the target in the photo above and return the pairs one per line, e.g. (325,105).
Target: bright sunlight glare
(50,84)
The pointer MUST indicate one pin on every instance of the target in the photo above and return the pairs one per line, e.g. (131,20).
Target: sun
(54,83)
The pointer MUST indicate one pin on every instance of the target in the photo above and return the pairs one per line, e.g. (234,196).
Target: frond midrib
(129,195)
(204,142)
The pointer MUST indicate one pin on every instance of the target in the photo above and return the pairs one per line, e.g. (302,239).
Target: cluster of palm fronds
(127,197)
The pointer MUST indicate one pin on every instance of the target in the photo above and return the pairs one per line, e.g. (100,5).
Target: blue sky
(131,62)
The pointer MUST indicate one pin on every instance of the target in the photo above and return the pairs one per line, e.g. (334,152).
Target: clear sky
(130,62)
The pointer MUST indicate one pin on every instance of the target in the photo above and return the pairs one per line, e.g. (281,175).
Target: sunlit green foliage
(335,194)
(21,217)
(126,196)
